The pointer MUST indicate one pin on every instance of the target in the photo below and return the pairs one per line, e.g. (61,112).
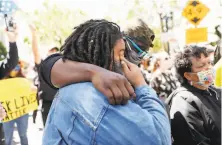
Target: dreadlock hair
(92,42)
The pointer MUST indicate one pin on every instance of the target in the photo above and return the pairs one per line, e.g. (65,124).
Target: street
(35,132)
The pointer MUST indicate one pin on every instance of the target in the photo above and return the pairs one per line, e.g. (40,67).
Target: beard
(117,67)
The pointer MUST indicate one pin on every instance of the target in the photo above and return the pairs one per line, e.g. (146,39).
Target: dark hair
(183,62)
(141,34)
(54,48)
(92,42)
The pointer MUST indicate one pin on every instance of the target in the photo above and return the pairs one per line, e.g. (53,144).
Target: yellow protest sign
(17,97)
(218,77)
(195,11)
(195,35)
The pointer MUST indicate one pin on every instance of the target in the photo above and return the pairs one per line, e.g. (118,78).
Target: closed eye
(201,66)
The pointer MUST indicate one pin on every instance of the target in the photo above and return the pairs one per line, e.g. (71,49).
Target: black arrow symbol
(195,20)
(194,3)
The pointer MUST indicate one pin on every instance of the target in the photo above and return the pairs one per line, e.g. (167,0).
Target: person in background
(164,80)
(6,65)
(195,108)
(2,112)
(58,73)
(21,122)
(148,66)
(45,92)
(95,121)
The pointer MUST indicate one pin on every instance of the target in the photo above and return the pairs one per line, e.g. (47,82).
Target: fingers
(32,27)
(125,93)
(129,89)
(129,64)
(117,94)
(133,96)
(14,26)
(108,93)
(2,112)
(125,67)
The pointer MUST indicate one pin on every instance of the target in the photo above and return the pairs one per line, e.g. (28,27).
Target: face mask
(15,71)
(206,78)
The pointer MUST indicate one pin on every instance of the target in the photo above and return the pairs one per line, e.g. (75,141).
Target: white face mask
(206,78)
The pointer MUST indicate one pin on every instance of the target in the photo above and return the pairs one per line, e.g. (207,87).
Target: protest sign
(17,97)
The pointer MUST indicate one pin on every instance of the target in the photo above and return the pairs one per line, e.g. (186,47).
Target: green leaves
(3,51)
(54,24)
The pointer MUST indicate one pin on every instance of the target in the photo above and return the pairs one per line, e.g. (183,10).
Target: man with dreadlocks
(58,73)
(73,120)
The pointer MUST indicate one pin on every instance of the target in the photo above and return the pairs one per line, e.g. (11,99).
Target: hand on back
(114,86)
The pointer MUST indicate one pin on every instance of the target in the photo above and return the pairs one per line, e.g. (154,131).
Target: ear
(187,76)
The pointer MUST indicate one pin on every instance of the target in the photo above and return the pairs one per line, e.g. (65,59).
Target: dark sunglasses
(141,53)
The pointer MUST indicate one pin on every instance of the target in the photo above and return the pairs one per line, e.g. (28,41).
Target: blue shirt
(81,115)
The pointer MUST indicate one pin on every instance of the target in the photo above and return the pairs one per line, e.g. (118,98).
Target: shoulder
(182,93)
(217,89)
(78,88)
(50,60)
(84,101)
(80,92)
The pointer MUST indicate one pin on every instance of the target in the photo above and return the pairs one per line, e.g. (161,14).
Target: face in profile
(201,70)
(118,53)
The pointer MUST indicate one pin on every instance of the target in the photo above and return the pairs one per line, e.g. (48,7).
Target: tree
(54,23)
(3,51)
(139,10)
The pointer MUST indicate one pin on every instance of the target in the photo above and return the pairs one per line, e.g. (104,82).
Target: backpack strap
(168,101)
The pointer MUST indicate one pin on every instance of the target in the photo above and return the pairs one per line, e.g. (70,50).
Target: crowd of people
(105,88)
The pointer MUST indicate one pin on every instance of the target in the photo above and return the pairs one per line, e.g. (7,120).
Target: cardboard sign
(196,35)
(17,97)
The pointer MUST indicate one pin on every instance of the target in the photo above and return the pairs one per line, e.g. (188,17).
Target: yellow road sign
(195,11)
(195,35)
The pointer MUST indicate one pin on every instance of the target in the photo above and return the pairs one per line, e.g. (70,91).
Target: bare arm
(81,72)
(35,48)
(59,73)
(2,112)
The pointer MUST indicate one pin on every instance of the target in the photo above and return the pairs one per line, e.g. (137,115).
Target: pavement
(35,131)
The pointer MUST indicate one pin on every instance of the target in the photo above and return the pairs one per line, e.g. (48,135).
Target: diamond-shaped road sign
(195,11)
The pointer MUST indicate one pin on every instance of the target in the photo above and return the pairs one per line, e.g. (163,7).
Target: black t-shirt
(46,67)
(7,65)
